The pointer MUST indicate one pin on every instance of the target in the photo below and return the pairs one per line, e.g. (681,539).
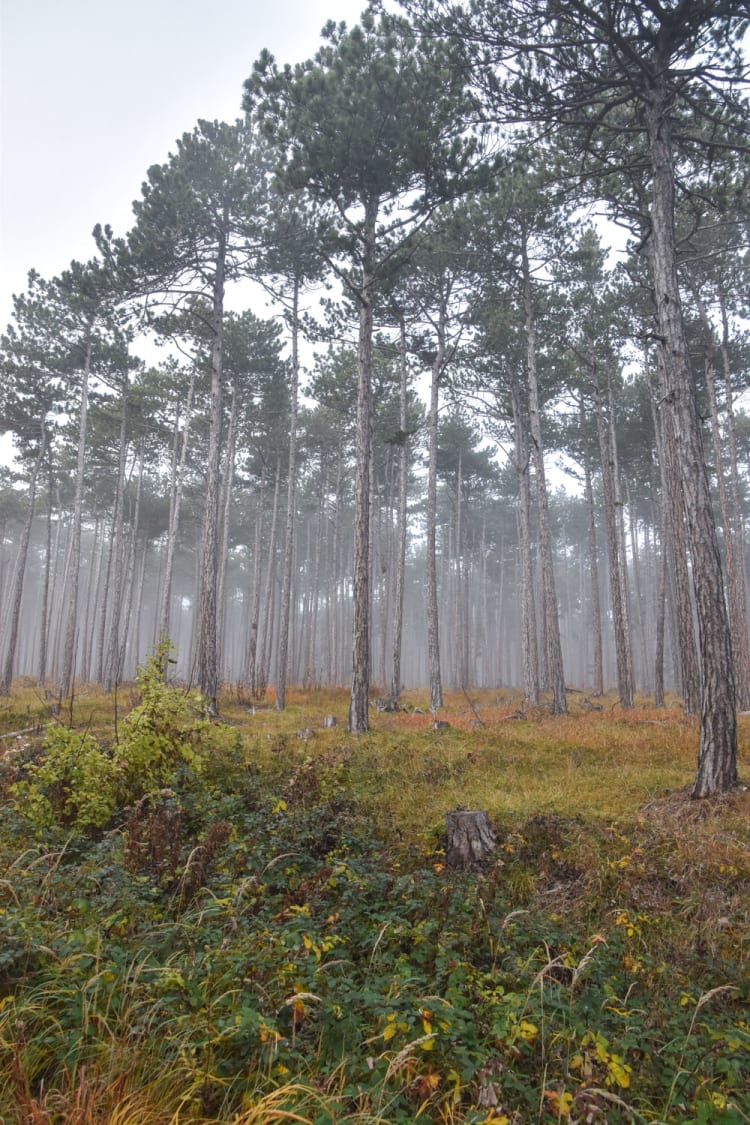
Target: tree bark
(433,623)
(400,548)
(291,504)
(66,680)
(596,611)
(206,656)
(16,595)
(471,843)
(360,687)
(616,586)
(717,756)
(551,618)
(529,650)
(175,502)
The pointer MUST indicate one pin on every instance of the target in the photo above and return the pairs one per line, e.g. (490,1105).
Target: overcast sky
(92,92)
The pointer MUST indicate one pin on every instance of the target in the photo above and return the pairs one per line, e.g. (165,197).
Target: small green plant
(164,741)
(74,784)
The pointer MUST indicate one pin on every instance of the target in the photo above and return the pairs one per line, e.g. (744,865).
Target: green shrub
(73,785)
(164,742)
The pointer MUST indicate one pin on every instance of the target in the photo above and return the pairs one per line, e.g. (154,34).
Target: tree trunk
(635,555)
(431,592)
(717,757)
(403,515)
(110,672)
(44,609)
(360,688)
(69,652)
(551,618)
(738,530)
(251,658)
(624,675)
(266,633)
(735,565)
(226,520)
(128,592)
(175,502)
(291,504)
(529,650)
(596,611)
(16,596)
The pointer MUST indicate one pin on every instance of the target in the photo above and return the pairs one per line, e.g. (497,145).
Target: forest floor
(252,920)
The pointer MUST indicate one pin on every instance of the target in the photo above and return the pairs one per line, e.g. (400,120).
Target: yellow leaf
(618,1071)
(389,1032)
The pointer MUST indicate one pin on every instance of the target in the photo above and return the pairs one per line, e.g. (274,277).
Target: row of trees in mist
(277,497)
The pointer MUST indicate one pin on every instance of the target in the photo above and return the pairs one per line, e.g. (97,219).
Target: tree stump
(471,841)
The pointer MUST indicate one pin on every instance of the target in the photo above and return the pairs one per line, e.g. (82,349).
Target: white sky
(93,92)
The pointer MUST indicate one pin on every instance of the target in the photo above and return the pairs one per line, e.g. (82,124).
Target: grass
(277,937)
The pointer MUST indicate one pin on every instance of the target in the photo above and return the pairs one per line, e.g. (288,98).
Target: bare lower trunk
(529,651)
(226,519)
(403,481)
(71,628)
(433,628)
(717,757)
(110,673)
(44,608)
(206,656)
(251,656)
(16,595)
(266,634)
(360,688)
(739,589)
(551,619)
(291,502)
(596,612)
(175,502)
(624,676)
(732,546)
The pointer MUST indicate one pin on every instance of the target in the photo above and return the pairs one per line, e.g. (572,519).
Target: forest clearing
(451,407)
(252,919)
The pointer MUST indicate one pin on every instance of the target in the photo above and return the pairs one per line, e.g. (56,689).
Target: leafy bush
(165,741)
(74,784)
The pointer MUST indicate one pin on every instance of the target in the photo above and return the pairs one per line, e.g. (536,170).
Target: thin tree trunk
(616,586)
(620,530)
(291,512)
(735,567)
(251,660)
(431,584)
(738,529)
(119,577)
(360,689)
(529,649)
(638,589)
(206,656)
(16,596)
(596,611)
(44,610)
(268,598)
(69,652)
(175,502)
(226,519)
(551,619)
(130,572)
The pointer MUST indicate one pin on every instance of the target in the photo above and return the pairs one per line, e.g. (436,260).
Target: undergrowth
(231,923)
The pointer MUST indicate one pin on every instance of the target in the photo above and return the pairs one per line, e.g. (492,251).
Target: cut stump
(471,842)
